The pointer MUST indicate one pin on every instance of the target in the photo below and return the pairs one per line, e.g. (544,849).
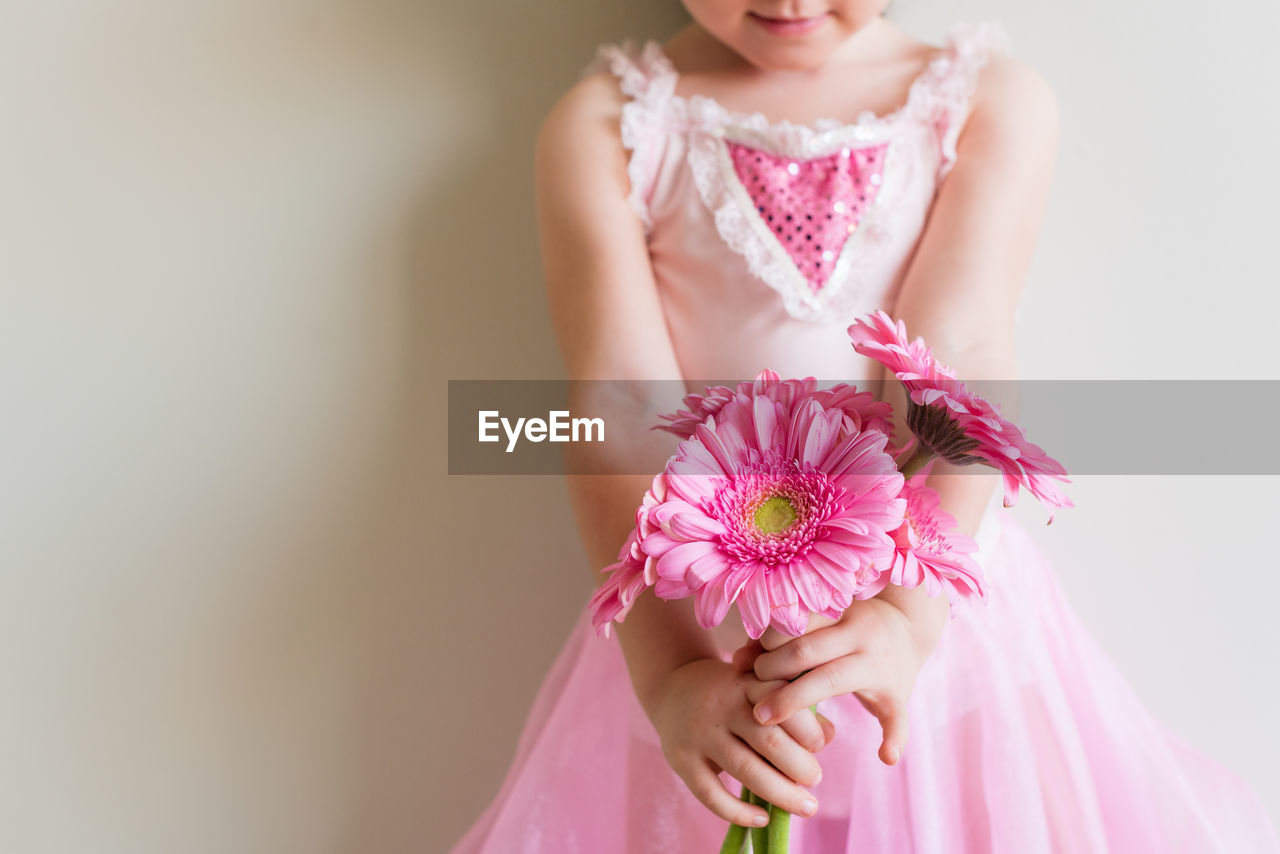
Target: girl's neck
(872,71)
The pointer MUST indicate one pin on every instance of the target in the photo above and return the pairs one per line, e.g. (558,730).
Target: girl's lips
(789,26)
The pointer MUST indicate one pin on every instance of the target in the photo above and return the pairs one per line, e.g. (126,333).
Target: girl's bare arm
(609,323)
(962,289)
(960,293)
(611,328)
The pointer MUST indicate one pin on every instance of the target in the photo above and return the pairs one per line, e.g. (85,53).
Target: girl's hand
(702,712)
(874,652)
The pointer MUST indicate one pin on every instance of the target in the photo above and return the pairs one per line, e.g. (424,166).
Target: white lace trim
(946,81)
(957,74)
(740,226)
(939,95)
(647,77)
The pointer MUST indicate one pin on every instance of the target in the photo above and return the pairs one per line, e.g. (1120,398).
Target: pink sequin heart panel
(812,206)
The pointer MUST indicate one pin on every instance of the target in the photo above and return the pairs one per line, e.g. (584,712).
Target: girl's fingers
(807,732)
(848,675)
(892,714)
(777,746)
(842,676)
(757,690)
(707,788)
(744,657)
(804,653)
(747,766)
(773,639)
(804,727)
(828,729)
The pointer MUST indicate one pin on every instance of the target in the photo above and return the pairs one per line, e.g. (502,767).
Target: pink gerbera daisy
(861,408)
(779,509)
(702,406)
(614,598)
(950,421)
(929,550)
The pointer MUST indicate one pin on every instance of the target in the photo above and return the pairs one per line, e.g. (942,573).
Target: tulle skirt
(1024,738)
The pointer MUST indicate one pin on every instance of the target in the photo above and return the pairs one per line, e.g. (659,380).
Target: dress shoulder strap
(647,77)
(951,79)
(643,70)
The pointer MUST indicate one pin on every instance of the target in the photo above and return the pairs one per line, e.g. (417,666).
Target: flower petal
(784,603)
(815,592)
(712,603)
(753,603)
(674,564)
(707,567)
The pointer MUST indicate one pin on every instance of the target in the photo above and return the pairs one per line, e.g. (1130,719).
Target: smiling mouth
(788,26)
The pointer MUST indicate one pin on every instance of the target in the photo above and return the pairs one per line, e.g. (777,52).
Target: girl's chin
(771,53)
(788,60)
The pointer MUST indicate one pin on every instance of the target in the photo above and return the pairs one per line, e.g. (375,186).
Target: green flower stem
(760,835)
(736,836)
(774,838)
(734,840)
(779,839)
(916,461)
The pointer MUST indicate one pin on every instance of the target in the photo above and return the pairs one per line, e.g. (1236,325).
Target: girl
(686,238)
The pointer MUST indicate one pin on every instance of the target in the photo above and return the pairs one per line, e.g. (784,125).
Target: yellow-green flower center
(775,515)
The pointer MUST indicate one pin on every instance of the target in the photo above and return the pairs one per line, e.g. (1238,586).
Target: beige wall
(243,246)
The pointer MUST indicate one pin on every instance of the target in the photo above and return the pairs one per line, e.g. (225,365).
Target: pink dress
(766,240)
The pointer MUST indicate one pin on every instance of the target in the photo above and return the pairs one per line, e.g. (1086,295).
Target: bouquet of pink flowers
(789,501)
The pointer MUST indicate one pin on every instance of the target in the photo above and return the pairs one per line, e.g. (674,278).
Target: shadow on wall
(470,627)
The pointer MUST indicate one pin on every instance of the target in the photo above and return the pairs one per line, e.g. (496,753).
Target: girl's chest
(823,215)
(856,95)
